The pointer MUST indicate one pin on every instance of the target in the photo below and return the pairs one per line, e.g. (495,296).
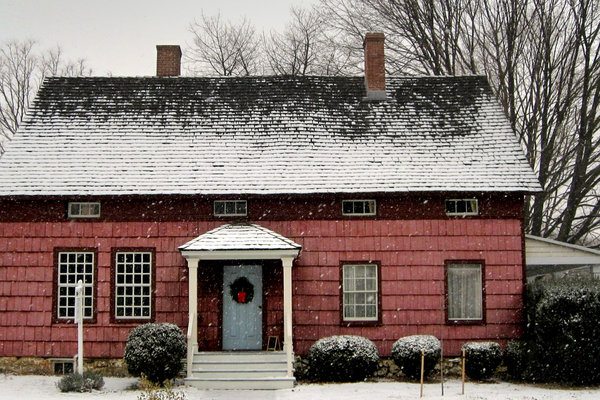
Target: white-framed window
(359,207)
(72,267)
(77,209)
(230,208)
(465,291)
(360,292)
(462,207)
(133,285)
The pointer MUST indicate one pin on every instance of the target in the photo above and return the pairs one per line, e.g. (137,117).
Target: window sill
(466,322)
(360,323)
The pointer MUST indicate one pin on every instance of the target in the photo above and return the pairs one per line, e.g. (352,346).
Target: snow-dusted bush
(75,382)
(342,359)
(515,359)
(406,353)
(155,351)
(563,331)
(483,358)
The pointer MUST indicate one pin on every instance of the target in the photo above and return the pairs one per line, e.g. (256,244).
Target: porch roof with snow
(241,237)
(263,135)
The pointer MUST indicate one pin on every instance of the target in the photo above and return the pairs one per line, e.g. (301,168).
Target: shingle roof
(242,236)
(263,135)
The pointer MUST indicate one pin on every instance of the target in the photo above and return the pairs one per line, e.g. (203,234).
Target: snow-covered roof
(263,135)
(240,236)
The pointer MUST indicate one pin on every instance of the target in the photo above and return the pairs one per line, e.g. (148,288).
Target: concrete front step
(204,366)
(240,356)
(238,384)
(240,370)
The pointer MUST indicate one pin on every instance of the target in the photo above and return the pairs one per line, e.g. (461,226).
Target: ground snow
(44,388)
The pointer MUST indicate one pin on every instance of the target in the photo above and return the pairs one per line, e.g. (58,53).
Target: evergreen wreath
(239,286)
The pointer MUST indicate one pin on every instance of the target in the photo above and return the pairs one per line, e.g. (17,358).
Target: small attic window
(84,210)
(230,208)
(359,207)
(462,207)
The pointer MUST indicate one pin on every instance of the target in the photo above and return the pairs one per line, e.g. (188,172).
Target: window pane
(359,207)
(347,207)
(133,284)
(72,267)
(360,292)
(219,207)
(464,292)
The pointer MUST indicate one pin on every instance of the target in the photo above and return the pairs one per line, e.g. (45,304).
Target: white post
(192,336)
(287,314)
(79,319)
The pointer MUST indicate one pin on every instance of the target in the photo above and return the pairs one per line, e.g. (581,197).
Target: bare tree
(17,85)
(22,70)
(304,47)
(542,58)
(223,48)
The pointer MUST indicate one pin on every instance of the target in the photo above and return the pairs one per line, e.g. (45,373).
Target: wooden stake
(464,361)
(422,370)
(442,364)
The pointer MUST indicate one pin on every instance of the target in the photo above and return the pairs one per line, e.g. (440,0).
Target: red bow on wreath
(241,297)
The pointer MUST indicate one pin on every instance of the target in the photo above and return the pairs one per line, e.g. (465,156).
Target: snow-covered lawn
(44,388)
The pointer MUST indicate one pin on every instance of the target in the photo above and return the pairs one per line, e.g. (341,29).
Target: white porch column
(287,313)
(192,332)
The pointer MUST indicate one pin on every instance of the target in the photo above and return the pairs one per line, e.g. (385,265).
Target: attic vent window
(84,210)
(230,208)
(462,207)
(359,207)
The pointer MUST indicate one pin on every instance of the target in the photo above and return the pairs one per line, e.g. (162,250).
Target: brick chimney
(374,66)
(168,60)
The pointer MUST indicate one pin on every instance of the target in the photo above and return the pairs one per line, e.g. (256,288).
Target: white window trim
(375,291)
(373,213)
(456,213)
(142,285)
(481,283)
(67,285)
(235,214)
(83,203)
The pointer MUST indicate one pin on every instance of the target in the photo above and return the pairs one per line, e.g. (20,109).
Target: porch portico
(240,242)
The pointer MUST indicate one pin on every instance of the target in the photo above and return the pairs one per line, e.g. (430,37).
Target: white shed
(548,257)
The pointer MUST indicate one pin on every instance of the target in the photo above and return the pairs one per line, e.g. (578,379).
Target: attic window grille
(230,208)
(359,207)
(84,210)
(462,207)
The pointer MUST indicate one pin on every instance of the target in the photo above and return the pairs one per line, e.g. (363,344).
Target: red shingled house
(247,208)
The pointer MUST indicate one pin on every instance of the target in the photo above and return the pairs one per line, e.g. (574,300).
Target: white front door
(242,307)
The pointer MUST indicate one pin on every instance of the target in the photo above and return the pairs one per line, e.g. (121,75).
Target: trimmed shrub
(515,359)
(155,351)
(406,353)
(75,382)
(483,358)
(342,359)
(563,331)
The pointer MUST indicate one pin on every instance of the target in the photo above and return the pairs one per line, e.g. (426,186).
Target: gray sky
(119,36)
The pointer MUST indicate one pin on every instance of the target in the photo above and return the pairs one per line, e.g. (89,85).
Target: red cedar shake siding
(411,239)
